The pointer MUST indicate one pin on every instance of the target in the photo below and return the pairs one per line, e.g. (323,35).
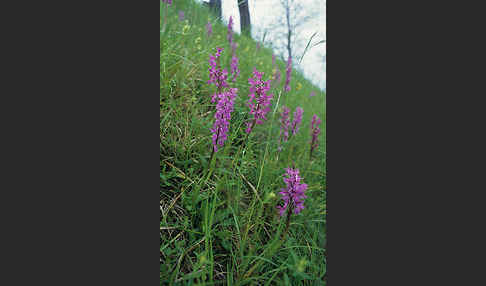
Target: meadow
(220,223)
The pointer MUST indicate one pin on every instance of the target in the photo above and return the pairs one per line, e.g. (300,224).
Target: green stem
(245,145)
(278,241)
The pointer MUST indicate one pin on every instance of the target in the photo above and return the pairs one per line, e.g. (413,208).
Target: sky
(265,12)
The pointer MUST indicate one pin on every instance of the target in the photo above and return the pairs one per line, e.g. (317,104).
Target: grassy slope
(221,230)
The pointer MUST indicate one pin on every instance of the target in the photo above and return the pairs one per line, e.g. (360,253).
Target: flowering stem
(212,152)
(274,111)
(211,158)
(287,225)
(266,151)
(251,129)
(246,140)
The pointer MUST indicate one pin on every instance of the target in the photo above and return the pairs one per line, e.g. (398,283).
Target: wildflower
(217,76)
(301,265)
(181,15)
(259,100)
(269,197)
(234,67)
(203,259)
(167,1)
(312,94)
(225,101)
(224,107)
(297,120)
(185,29)
(289,71)
(315,130)
(276,78)
(209,28)
(293,194)
(284,124)
(234,45)
(299,86)
(230,30)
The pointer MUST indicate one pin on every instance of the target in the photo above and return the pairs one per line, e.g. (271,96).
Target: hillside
(219,218)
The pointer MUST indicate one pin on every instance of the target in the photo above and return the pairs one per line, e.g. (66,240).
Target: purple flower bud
(285,124)
(276,78)
(315,130)
(230,30)
(297,120)
(181,15)
(234,45)
(234,68)
(312,94)
(289,71)
(209,28)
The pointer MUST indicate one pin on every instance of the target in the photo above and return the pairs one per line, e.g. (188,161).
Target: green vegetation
(219,223)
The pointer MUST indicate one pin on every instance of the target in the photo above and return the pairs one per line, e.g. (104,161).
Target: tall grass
(222,226)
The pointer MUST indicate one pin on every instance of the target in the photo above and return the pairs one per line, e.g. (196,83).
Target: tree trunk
(245,24)
(289,46)
(289,32)
(215,6)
